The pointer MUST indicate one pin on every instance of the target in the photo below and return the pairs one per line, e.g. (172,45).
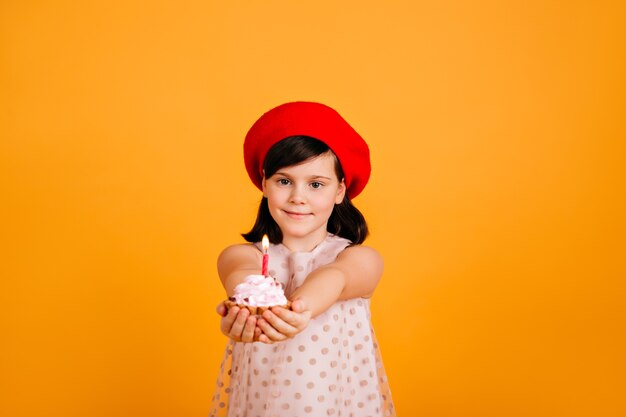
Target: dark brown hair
(345,220)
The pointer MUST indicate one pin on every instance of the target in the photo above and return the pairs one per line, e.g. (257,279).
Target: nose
(297,196)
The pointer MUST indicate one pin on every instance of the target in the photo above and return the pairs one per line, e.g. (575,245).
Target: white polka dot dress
(332,368)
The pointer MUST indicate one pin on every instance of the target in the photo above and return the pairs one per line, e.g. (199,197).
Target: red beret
(314,120)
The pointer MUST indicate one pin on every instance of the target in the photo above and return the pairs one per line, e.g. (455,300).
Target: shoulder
(239,252)
(364,256)
(235,262)
(362,267)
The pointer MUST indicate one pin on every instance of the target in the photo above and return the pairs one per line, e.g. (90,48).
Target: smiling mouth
(294,215)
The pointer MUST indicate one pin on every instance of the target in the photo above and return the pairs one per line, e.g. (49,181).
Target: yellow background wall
(497,195)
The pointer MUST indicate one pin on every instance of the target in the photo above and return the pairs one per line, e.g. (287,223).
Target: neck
(304,244)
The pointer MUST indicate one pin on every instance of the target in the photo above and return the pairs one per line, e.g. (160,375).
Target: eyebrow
(313,177)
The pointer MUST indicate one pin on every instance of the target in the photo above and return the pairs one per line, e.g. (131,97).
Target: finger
(221,309)
(237,329)
(248,330)
(279,324)
(269,331)
(298,306)
(264,339)
(227,321)
(294,319)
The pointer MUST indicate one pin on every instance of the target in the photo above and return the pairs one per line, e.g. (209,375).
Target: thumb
(221,309)
(298,306)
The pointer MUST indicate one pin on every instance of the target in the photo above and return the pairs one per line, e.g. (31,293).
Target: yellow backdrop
(497,194)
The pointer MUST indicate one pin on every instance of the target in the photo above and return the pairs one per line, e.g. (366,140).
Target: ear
(341,192)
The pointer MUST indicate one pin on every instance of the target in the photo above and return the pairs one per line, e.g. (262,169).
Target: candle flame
(265,243)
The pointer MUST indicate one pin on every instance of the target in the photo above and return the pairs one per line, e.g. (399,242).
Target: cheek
(328,202)
(271,202)
(274,198)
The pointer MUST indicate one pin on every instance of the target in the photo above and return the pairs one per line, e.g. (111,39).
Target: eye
(284,181)
(317,185)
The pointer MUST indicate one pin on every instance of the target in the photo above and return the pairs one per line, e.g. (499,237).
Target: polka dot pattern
(332,368)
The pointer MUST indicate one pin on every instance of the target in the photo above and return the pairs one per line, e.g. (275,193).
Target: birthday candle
(265,243)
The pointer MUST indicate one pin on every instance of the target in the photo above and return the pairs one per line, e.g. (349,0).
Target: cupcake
(258,293)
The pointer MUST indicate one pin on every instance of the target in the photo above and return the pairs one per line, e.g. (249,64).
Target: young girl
(320,357)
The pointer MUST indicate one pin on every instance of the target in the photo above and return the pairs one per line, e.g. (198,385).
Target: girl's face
(301,198)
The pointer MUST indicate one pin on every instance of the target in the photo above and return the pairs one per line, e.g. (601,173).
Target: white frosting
(260,291)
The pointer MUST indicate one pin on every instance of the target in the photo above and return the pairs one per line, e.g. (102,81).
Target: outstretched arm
(355,273)
(233,265)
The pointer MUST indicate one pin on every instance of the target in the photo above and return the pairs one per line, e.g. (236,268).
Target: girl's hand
(237,324)
(280,324)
